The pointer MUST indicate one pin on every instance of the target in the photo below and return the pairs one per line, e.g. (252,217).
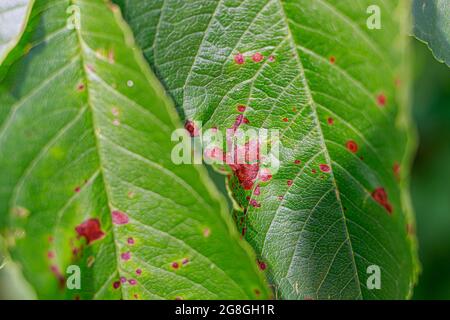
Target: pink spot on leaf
(325,168)
(257,191)
(119,217)
(132,282)
(257,57)
(239,58)
(125,256)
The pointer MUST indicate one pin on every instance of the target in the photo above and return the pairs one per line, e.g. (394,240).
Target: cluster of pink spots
(257,57)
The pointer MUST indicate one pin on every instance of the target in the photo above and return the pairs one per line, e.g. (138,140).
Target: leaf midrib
(81,46)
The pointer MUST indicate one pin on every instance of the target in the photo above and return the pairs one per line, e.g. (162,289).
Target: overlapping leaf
(432,25)
(336,90)
(86,176)
(13,17)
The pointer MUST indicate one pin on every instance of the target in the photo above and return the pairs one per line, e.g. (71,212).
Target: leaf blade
(327,83)
(119,207)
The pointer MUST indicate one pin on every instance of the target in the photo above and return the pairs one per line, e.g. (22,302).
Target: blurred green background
(430,182)
(431,173)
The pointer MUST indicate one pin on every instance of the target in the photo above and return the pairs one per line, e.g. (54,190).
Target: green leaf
(87,178)
(330,86)
(13,18)
(432,26)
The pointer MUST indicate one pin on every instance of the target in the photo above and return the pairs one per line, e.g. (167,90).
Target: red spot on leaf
(191,127)
(352,146)
(119,217)
(297,161)
(175,265)
(332,59)
(241,108)
(257,57)
(123,279)
(285,120)
(50,254)
(59,276)
(330,121)
(325,168)
(80,87)
(138,272)
(132,282)
(116,284)
(271,58)
(77,189)
(381,100)
(90,230)
(380,196)
(262,265)
(239,58)
(290,182)
(130,241)
(396,169)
